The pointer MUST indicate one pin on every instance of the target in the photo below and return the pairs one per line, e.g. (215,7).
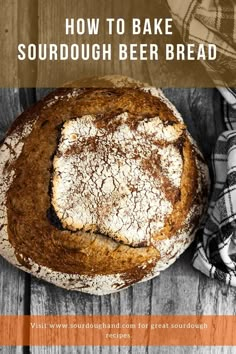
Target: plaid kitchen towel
(214,21)
(215,254)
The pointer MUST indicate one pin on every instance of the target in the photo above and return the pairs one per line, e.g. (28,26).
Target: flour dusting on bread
(111,180)
(125,179)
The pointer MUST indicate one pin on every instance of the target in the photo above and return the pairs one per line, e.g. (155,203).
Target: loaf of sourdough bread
(101,186)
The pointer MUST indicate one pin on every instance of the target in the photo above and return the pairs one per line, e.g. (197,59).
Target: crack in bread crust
(103,183)
(84,260)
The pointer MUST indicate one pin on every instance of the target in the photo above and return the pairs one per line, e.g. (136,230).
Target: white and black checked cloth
(214,21)
(215,254)
(210,21)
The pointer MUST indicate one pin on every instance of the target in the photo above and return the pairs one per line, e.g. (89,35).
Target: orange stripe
(117,330)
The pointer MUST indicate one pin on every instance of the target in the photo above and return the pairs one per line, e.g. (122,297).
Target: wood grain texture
(18,24)
(9,108)
(27,25)
(202,111)
(8,40)
(13,282)
(134,350)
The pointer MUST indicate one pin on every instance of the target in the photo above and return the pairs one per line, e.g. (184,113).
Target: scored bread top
(113,176)
(102,259)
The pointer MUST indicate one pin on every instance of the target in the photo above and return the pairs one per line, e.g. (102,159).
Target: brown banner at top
(47,43)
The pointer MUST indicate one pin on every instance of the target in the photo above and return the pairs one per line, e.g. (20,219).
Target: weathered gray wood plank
(13,282)
(135,350)
(202,110)
(193,350)
(10,108)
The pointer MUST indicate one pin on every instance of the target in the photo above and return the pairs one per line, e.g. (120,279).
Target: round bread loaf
(101,186)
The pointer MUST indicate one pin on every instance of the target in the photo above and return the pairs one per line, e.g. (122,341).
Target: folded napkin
(214,21)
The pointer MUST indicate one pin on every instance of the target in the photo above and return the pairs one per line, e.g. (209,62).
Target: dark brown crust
(30,230)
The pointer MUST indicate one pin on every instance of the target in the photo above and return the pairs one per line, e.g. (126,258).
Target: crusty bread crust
(32,235)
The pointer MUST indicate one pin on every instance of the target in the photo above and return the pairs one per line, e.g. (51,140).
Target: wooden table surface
(178,290)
